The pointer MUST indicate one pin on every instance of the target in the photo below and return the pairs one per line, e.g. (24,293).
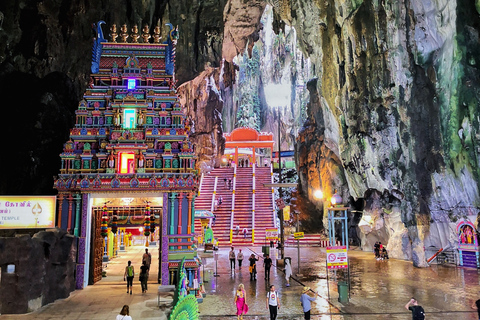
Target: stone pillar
(59,211)
(77,215)
(70,209)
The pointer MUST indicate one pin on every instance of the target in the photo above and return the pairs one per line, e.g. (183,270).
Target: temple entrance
(119,223)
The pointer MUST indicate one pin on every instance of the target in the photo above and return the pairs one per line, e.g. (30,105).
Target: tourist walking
(267,264)
(306,300)
(273,304)
(147,258)
(128,275)
(253,267)
(124,313)
(245,232)
(241,302)
(417,311)
(476,306)
(240,258)
(288,271)
(143,277)
(225,182)
(231,256)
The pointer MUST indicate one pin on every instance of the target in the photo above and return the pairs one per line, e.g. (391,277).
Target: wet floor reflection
(379,289)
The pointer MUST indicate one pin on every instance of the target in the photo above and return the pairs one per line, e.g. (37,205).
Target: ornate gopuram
(129,156)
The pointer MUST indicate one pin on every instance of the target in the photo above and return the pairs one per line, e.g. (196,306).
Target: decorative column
(179,227)
(163,246)
(60,211)
(77,215)
(173,196)
(190,225)
(80,275)
(70,209)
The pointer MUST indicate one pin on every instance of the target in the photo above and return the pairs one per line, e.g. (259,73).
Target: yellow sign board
(23,212)
(298,235)
(286,213)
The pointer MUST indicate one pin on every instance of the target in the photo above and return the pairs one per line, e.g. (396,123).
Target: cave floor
(379,290)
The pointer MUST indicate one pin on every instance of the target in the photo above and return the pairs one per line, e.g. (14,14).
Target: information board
(271,234)
(23,212)
(337,257)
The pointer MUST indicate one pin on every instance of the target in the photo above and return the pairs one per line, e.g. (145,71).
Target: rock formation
(392,116)
(44,270)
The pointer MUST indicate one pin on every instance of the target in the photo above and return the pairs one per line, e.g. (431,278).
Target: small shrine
(467,245)
(129,164)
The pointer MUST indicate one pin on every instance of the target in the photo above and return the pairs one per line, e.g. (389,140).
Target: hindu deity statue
(146,34)
(114,34)
(124,34)
(135,34)
(156,34)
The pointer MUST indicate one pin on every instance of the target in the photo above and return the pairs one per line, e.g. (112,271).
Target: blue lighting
(131,84)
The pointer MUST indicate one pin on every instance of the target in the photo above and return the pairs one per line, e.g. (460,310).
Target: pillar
(70,209)
(190,225)
(173,195)
(59,211)
(179,227)
(253,157)
(235,158)
(77,215)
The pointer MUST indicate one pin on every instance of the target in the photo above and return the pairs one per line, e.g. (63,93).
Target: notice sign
(298,235)
(271,234)
(337,257)
(22,212)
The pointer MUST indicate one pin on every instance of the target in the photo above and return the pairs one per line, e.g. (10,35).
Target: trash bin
(342,291)
(266,250)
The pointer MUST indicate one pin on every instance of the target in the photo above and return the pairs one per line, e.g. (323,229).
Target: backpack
(418,313)
(130,271)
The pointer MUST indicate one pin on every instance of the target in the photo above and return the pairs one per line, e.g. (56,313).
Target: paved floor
(379,290)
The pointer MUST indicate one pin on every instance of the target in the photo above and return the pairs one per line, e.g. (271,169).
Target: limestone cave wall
(391,116)
(44,270)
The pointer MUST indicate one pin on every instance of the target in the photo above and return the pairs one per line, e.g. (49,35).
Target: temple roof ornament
(130,132)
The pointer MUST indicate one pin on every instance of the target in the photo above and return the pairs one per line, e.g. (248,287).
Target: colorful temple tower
(130,141)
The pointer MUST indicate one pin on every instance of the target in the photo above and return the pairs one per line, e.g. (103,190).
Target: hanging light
(318,194)
(146,232)
(104,228)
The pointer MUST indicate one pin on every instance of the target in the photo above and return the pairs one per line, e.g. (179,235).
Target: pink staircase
(309,240)
(221,228)
(263,204)
(243,206)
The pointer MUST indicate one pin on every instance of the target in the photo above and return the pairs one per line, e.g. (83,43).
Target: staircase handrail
(253,203)
(201,183)
(233,202)
(273,198)
(212,207)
